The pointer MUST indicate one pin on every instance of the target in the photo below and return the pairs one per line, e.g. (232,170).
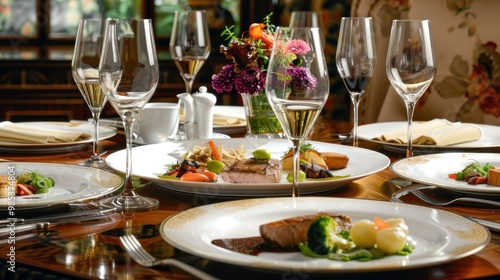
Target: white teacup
(158,122)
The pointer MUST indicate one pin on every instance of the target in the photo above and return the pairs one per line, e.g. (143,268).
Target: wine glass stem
(296,167)
(189,85)
(128,123)
(95,145)
(355,97)
(410,108)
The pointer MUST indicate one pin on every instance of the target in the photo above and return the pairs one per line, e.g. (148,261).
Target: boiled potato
(363,233)
(391,240)
(398,222)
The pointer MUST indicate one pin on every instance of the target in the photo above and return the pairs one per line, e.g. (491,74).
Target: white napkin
(438,132)
(18,133)
(223,119)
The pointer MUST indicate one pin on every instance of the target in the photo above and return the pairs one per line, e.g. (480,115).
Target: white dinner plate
(489,139)
(73,183)
(104,133)
(151,161)
(434,169)
(439,236)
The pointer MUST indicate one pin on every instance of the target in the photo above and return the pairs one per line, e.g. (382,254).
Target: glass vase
(261,120)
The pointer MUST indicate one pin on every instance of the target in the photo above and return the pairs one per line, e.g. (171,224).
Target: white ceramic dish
(104,133)
(73,183)
(434,169)
(489,139)
(439,236)
(150,161)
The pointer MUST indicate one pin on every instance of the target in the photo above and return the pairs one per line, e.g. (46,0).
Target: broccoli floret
(322,237)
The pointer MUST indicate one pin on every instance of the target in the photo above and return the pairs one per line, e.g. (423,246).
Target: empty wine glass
(411,64)
(128,73)
(306,19)
(297,85)
(84,68)
(189,48)
(356,58)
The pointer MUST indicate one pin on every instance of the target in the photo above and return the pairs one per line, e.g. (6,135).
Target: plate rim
(43,203)
(235,191)
(363,137)
(314,269)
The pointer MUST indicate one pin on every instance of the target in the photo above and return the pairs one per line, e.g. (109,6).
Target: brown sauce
(250,245)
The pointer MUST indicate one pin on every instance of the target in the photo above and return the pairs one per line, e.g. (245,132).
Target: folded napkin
(223,119)
(438,132)
(18,133)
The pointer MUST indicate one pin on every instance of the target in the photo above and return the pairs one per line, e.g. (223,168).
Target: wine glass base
(135,203)
(95,162)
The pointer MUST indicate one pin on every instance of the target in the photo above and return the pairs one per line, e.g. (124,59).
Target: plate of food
(436,170)
(150,162)
(85,128)
(26,185)
(216,231)
(489,136)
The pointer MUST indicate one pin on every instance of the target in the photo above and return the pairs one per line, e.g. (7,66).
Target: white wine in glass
(356,58)
(297,85)
(84,68)
(410,64)
(189,44)
(129,73)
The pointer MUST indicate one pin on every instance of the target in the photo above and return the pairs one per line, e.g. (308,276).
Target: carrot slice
(452,176)
(380,224)
(195,177)
(215,152)
(211,175)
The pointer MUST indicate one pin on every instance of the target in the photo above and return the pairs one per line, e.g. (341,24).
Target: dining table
(92,250)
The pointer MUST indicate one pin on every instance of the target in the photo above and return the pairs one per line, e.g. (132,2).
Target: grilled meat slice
(288,233)
(251,170)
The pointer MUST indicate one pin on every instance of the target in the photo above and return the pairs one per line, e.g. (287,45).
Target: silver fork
(436,202)
(142,257)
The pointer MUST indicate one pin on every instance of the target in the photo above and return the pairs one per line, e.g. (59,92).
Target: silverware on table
(436,202)
(58,217)
(142,257)
(396,197)
(44,224)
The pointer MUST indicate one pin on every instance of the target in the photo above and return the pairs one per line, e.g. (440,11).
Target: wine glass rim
(411,20)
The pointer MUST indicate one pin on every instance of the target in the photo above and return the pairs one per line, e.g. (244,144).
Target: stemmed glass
(411,64)
(128,73)
(297,85)
(84,68)
(305,19)
(356,57)
(189,44)
(189,48)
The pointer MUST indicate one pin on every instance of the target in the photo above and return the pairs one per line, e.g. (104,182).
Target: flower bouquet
(247,76)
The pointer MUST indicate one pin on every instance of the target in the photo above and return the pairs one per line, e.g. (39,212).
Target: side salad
(32,182)
(473,173)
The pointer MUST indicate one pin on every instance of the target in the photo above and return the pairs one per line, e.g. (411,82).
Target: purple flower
(297,47)
(250,80)
(302,78)
(223,82)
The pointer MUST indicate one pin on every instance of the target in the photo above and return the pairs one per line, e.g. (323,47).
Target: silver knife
(57,217)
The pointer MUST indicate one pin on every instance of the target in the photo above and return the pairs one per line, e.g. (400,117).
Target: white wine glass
(129,73)
(410,65)
(189,44)
(189,47)
(84,68)
(297,85)
(356,58)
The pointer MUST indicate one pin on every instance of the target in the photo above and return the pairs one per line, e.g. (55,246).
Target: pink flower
(297,47)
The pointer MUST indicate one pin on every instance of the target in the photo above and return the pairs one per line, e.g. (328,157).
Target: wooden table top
(93,250)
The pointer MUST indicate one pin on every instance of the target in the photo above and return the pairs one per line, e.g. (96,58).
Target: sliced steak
(250,170)
(288,233)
